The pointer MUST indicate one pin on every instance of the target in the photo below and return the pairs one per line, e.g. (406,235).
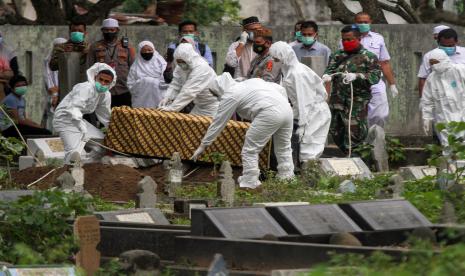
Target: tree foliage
(205,12)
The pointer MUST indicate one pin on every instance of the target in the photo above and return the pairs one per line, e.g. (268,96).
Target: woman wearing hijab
(145,80)
(51,85)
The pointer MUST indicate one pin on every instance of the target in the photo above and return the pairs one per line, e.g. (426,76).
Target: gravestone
(417,172)
(347,186)
(185,206)
(316,63)
(13,195)
(385,214)
(353,167)
(145,215)
(87,234)
(38,270)
(147,197)
(218,266)
(175,175)
(77,172)
(448,213)
(227,184)
(313,219)
(25,161)
(239,223)
(377,138)
(66,181)
(69,73)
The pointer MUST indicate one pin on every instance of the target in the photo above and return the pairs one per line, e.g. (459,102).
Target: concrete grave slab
(242,223)
(417,172)
(25,162)
(313,219)
(272,204)
(40,270)
(51,147)
(13,195)
(353,167)
(385,214)
(144,215)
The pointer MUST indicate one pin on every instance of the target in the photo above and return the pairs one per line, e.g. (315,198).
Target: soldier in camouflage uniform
(363,70)
(263,66)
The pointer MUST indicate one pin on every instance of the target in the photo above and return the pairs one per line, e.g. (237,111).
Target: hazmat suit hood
(284,52)
(187,53)
(221,84)
(93,71)
(444,61)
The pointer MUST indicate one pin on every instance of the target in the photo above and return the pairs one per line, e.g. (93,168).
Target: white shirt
(425,68)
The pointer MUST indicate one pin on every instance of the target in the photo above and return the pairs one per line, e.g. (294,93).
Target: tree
(56,12)
(414,11)
(205,12)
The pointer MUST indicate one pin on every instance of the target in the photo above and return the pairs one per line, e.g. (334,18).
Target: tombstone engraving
(145,215)
(227,184)
(147,197)
(353,167)
(13,195)
(218,266)
(313,219)
(385,214)
(316,63)
(239,223)
(417,172)
(87,234)
(175,175)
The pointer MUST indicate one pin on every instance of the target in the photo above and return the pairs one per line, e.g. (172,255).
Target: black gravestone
(240,223)
(385,214)
(13,195)
(313,219)
(144,215)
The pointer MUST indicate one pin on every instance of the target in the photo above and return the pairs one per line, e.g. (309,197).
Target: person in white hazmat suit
(266,105)
(443,98)
(190,80)
(307,94)
(85,98)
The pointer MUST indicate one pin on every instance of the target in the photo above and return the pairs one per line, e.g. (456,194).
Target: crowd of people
(264,82)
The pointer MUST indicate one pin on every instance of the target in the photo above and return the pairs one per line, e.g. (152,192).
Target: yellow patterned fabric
(158,134)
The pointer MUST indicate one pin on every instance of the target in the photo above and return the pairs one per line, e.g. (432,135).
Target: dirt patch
(29,175)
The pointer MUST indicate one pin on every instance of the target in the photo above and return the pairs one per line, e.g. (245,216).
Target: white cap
(439,28)
(110,23)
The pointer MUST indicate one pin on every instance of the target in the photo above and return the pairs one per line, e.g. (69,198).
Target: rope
(110,149)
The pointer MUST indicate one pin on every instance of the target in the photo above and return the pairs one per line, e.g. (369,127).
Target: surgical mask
(21,90)
(184,66)
(259,49)
(146,56)
(308,40)
(77,37)
(351,46)
(298,36)
(251,35)
(364,27)
(110,36)
(191,36)
(100,88)
(450,51)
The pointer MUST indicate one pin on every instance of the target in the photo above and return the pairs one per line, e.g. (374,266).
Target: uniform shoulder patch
(269,66)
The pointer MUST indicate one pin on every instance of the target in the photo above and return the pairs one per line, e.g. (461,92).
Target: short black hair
(309,24)
(300,22)
(351,29)
(107,72)
(185,23)
(448,33)
(15,79)
(362,13)
(78,23)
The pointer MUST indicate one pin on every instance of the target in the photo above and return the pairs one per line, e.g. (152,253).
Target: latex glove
(326,78)
(427,126)
(198,152)
(394,91)
(350,77)
(244,37)
(300,132)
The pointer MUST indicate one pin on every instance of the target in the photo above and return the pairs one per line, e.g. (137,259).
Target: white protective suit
(83,99)
(191,84)
(145,79)
(266,105)
(443,98)
(307,95)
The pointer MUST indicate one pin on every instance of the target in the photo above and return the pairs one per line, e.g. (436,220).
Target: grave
(353,167)
(144,215)
(13,195)
(227,185)
(385,214)
(87,234)
(39,271)
(313,219)
(185,206)
(240,223)
(417,172)
(377,138)
(51,147)
(147,197)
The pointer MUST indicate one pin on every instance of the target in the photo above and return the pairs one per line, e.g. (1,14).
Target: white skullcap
(439,28)
(110,23)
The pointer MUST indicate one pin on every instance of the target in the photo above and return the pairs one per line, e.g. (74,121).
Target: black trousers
(25,130)
(121,100)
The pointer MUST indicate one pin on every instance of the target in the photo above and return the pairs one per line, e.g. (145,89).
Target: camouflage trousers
(340,123)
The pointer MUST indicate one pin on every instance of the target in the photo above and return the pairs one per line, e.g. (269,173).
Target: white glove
(427,126)
(394,91)
(326,78)
(350,77)
(198,152)
(300,132)
(244,37)
(164,102)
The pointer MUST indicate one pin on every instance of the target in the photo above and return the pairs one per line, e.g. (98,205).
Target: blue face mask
(364,28)
(77,37)
(450,51)
(191,36)
(21,90)
(298,36)
(100,88)
(308,40)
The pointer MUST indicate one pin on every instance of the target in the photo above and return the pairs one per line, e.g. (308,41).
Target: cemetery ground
(37,229)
